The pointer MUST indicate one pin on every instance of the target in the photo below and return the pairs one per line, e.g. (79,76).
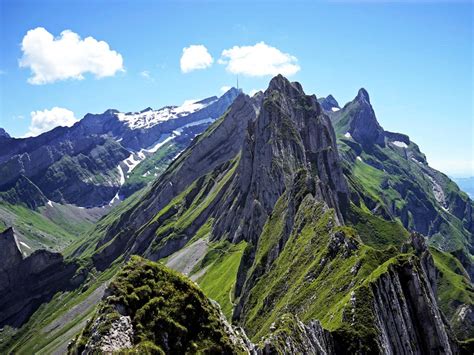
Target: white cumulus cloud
(66,57)
(43,121)
(195,57)
(258,60)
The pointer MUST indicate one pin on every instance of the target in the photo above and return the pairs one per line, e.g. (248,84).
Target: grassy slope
(54,230)
(379,185)
(454,288)
(220,276)
(305,279)
(36,337)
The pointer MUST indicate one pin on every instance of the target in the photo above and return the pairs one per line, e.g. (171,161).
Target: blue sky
(414,58)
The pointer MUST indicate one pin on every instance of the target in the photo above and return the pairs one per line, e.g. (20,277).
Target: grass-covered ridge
(454,291)
(314,275)
(168,312)
(398,184)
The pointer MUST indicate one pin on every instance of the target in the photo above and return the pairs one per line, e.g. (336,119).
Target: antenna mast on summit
(237,82)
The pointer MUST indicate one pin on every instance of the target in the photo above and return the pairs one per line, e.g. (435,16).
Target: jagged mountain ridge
(304,275)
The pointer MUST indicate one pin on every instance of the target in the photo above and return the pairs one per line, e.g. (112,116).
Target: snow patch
(131,162)
(438,193)
(160,143)
(347,135)
(400,144)
(335,109)
(50,203)
(359,158)
(122,176)
(147,119)
(25,245)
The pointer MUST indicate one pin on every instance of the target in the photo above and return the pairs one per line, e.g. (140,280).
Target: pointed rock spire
(363,95)
(10,254)
(364,127)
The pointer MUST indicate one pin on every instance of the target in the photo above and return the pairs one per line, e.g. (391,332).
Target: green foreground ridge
(150,308)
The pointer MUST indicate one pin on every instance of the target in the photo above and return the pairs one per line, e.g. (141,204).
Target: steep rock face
(26,192)
(291,336)
(291,134)
(405,306)
(290,137)
(25,283)
(407,315)
(364,126)
(219,144)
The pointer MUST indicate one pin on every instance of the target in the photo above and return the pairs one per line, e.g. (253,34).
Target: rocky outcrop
(329,104)
(291,336)
(118,337)
(407,315)
(166,313)
(405,306)
(364,127)
(26,283)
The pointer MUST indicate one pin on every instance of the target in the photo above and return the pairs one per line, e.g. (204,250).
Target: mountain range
(305,226)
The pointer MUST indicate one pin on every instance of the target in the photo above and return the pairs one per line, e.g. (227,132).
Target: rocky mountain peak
(364,126)
(329,103)
(363,95)
(282,84)
(10,254)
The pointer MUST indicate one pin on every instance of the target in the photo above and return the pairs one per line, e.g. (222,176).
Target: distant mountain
(466,184)
(391,177)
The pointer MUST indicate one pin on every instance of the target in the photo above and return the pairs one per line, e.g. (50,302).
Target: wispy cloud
(147,75)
